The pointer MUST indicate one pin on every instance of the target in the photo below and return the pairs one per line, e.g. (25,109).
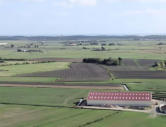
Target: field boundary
(65,86)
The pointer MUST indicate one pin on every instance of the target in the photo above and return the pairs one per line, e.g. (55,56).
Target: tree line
(109,61)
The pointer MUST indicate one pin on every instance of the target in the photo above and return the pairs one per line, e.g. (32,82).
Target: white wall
(120,103)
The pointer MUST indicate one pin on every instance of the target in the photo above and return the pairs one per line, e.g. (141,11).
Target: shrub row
(4,59)
(161,64)
(34,62)
(108,61)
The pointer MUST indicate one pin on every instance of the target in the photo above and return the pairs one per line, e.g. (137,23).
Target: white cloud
(141,1)
(152,1)
(146,12)
(62,3)
(71,3)
(90,2)
(24,0)
(83,2)
(35,0)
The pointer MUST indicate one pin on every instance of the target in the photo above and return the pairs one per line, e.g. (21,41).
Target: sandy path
(62,86)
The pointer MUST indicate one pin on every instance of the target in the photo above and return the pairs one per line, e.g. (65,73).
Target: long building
(142,99)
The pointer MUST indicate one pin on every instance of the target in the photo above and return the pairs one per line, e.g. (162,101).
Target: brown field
(76,72)
(129,68)
(147,63)
(140,74)
(134,65)
(137,69)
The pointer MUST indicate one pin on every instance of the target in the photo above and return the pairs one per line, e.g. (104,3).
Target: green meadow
(13,70)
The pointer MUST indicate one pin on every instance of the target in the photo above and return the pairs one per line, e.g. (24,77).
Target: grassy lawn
(31,68)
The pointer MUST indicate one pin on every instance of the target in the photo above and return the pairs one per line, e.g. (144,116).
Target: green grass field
(13,70)
(19,112)
(28,79)
(143,84)
(30,116)
(134,50)
(148,85)
(41,96)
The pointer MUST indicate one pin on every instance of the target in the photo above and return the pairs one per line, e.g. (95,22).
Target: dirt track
(118,87)
(58,59)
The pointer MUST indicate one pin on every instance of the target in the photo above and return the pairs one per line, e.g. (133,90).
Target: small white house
(142,99)
(2,44)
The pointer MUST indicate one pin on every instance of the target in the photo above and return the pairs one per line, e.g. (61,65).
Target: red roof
(120,96)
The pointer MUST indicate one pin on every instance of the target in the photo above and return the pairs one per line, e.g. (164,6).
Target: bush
(108,61)
(161,64)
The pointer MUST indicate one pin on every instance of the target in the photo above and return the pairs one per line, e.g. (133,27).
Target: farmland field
(58,64)
(26,107)
(140,74)
(41,96)
(134,65)
(137,69)
(31,116)
(13,70)
(128,49)
(76,72)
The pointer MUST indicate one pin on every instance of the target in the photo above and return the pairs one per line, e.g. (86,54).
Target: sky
(82,17)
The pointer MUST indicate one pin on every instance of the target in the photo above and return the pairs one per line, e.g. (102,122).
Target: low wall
(119,103)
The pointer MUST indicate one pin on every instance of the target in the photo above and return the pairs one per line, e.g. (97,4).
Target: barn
(141,99)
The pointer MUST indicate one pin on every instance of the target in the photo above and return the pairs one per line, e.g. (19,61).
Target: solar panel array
(120,96)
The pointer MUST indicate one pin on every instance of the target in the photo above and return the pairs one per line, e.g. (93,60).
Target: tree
(11,46)
(120,60)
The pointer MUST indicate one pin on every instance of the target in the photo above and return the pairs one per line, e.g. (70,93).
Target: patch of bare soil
(76,72)
(140,74)
(134,65)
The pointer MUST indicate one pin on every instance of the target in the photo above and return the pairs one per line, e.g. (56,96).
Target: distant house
(142,99)
(110,44)
(72,44)
(24,50)
(103,44)
(94,43)
(2,44)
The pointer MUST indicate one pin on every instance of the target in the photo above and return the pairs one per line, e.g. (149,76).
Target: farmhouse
(142,99)
(3,44)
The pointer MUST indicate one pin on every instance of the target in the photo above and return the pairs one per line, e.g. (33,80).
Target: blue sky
(88,17)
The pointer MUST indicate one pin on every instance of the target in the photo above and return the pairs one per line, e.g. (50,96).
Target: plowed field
(76,72)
